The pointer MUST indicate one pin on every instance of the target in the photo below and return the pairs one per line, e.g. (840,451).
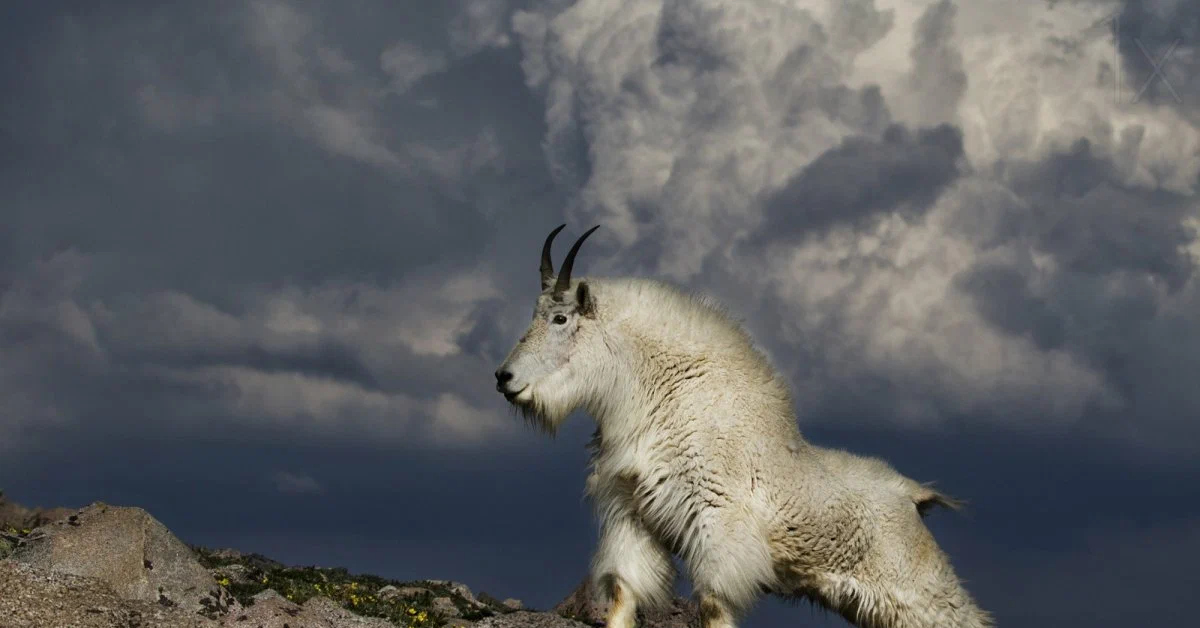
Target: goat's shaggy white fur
(697,453)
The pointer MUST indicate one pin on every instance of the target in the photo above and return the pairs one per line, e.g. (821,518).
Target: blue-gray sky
(260,258)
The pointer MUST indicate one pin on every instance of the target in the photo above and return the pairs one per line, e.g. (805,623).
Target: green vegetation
(245,576)
(9,538)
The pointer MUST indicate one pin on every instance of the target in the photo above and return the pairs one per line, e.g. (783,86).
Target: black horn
(564,273)
(547,263)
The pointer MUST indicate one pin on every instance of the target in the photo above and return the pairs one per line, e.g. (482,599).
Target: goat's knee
(715,612)
(622,610)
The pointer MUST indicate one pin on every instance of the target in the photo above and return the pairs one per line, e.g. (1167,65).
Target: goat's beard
(539,414)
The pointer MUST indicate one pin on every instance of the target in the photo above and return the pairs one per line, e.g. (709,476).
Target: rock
(323,609)
(239,574)
(513,604)
(526,619)
(457,622)
(135,554)
(457,588)
(405,593)
(587,605)
(445,607)
(36,598)
(271,610)
(268,594)
(682,613)
(497,605)
(250,561)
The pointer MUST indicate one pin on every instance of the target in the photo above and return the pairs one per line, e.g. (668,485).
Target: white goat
(697,453)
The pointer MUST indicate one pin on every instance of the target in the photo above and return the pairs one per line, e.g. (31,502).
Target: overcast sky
(260,258)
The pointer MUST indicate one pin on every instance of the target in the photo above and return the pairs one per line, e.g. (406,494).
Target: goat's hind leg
(911,585)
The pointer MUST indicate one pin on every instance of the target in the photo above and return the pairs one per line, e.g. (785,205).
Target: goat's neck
(630,385)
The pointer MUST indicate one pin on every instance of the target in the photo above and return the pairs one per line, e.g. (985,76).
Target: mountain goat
(697,453)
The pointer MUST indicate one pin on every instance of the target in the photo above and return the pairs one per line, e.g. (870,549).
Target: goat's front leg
(631,568)
(715,612)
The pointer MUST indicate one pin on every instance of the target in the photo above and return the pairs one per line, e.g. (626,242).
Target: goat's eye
(559,319)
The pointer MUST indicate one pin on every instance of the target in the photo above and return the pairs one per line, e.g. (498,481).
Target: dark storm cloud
(1009,305)
(1079,212)
(199,163)
(1083,215)
(1160,51)
(1118,296)
(902,171)
(125,120)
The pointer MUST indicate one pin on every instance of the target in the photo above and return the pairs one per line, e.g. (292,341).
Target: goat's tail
(926,498)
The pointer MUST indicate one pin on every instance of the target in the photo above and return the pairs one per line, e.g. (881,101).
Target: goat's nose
(503,375)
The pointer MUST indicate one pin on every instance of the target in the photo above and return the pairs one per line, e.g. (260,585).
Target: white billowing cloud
(676,123)
(479,24)
(47,341)
(301,363)
(457,423)
(465,158)
(421,318)
(302,406)
(346,123)
(342,106)
(311,84)
(296,483)
(889,295)
(406,64)
(425,314)
(1052,78)
(690,111)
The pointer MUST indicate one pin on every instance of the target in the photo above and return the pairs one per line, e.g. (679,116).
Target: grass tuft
(248,575)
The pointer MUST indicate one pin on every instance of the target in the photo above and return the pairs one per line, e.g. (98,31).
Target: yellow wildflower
(223,582)
(422,616)
(412,611)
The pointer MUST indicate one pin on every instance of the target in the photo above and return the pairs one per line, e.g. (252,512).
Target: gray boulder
(130,551)
(34,598)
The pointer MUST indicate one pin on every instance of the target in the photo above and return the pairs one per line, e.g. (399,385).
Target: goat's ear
(584,300)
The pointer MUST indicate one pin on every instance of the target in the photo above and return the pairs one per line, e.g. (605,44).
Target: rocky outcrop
(130,551)
(36,598)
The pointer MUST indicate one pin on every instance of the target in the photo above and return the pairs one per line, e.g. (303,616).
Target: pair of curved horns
(564,274)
